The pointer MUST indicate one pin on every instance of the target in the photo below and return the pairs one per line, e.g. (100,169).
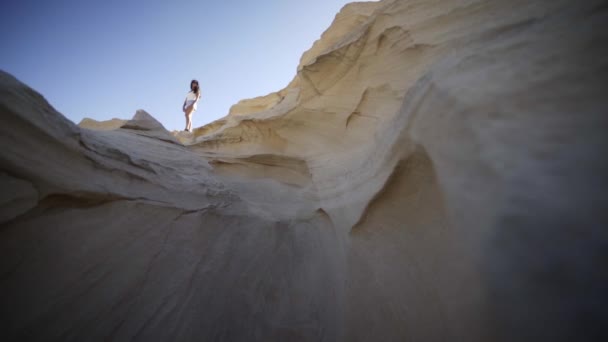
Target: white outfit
(192,100)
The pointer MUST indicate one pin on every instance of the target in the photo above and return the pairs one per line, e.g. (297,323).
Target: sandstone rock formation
(434,172)
(108,125)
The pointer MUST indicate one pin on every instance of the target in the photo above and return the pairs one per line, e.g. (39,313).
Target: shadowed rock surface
(434,172)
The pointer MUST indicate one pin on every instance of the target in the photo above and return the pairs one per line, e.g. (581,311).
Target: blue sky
(107,58)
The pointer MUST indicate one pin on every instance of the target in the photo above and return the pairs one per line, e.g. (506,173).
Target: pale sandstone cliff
(434,172)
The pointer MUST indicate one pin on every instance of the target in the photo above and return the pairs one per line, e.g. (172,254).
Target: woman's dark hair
(193,82)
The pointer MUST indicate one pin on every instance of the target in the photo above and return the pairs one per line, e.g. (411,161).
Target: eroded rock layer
(434,172)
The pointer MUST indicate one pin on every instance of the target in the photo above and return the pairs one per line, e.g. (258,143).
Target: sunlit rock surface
(434,172)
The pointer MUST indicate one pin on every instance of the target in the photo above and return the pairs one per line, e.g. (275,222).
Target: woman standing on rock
(190,103)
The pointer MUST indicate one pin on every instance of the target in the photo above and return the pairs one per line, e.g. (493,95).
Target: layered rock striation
(433,172)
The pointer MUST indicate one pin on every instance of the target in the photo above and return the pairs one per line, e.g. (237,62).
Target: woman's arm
(198,97)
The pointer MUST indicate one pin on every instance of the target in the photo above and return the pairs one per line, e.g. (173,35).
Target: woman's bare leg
(188,119)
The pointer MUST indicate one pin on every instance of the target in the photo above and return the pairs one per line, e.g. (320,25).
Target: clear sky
(107,58)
